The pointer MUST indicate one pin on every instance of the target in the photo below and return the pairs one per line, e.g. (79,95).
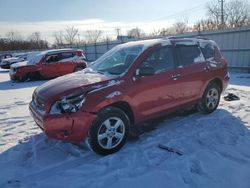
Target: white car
(5,55)
(5,63)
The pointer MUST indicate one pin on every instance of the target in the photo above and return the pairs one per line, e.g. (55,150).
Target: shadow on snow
(38,158)
(10,85)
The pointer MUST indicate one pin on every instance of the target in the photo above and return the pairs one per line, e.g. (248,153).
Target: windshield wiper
(113,72)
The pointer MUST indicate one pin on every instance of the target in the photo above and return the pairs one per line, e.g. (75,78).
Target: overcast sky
(47,16)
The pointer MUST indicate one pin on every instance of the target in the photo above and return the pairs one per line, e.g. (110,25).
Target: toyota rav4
(131,83)
(49,64)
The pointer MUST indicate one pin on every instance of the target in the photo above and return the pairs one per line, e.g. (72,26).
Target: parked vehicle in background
(5,56)
(49,64)
(131,83)
(5,64)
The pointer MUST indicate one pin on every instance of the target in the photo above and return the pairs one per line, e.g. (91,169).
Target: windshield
(22,56)
(18,55)
(35,59)
(117,60)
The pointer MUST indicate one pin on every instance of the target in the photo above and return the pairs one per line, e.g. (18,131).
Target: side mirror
(146,71)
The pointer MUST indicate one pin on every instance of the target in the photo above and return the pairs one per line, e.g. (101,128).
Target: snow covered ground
(216,148)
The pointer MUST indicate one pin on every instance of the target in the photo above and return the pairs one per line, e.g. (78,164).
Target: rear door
(192,71)
(67,62)
(159,92)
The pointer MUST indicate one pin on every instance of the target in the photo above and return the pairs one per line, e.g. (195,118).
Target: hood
(10,60)
(20,64)
(71,84)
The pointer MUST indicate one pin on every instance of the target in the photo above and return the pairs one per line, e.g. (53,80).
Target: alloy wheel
(111,133)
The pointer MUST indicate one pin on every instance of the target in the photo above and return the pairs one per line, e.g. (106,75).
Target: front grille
(38,103)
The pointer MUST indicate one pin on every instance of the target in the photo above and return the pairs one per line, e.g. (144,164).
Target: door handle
(175,76)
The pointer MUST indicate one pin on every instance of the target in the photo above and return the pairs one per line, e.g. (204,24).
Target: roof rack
(204,38)
(190,37)
(175,37)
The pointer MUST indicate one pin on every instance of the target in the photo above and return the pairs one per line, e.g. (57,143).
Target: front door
(51,67)
(158,92)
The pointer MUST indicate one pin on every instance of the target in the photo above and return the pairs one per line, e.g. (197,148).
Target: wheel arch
(216,81)
(35,74)
(126,108)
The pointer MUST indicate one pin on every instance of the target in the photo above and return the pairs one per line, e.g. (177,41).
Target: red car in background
(131,83)
(49,64)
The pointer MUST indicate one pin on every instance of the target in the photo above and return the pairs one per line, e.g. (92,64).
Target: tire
(34,76)
(109,131)
(23,78)
(210,99)
(78,69)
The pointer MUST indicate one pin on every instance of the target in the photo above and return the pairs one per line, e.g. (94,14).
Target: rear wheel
(109,132)
(210,99)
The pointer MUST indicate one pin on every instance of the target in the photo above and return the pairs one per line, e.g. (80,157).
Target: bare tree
(118,32)
(135,33)
(36,42)
(236,13)
(205,24)
(58,38)
(70,35)
(14,41)
(214,12)
(92,36)
(14,36)
(155,32)
(35,37)
(180,27)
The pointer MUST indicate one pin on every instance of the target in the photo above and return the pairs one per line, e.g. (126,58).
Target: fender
(214,79)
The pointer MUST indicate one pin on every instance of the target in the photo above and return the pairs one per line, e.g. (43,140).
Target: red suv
(131,83)
(49,64)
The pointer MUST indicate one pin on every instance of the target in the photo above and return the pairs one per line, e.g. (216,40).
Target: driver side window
(52,58)
(161,60)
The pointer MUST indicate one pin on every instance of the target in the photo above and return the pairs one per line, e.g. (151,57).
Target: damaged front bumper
(68,127)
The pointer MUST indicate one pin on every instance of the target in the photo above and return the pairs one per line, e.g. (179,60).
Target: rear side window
(211,52)
(188,54)
(66,55)
(208,51)
(161,60)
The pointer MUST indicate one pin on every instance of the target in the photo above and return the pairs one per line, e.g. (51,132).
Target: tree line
(236,14)
(14,41)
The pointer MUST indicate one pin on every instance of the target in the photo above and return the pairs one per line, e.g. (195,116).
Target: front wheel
(23,78)
(109,131)
(210,99)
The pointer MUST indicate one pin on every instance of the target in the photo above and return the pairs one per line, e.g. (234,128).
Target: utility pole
(222,12)
(78,36)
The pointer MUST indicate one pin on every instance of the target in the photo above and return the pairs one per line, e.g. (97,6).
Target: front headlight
(67,105)
(13,70)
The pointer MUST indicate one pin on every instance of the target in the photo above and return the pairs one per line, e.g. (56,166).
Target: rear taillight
(79,53)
